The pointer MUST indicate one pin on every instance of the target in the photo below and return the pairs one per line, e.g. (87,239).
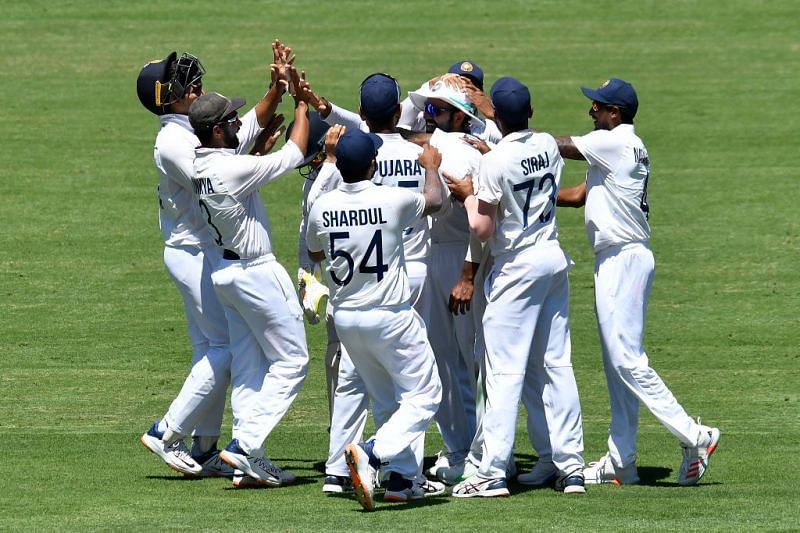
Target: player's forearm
(572,196)
(481,224)
(433,190)
(266,107)
(568,149)
(317,257)
(300,129)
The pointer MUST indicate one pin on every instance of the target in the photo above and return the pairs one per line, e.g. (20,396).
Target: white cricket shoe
(313,295)
(456,473)
(243,481)
(572,483)
(259,468)
(362,472)
(695,458)
(604,471)
(446,460)
(477,486)
(176,455)
(213,466)
(543,473)
(400,489)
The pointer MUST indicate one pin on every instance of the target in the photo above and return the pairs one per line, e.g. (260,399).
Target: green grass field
(92,334)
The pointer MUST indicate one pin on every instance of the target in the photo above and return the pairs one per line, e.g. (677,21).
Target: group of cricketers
(429,247)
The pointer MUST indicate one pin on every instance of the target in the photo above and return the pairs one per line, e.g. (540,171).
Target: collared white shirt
(360,229)
(521,176)
(616,186)
(227,187)
(180,219)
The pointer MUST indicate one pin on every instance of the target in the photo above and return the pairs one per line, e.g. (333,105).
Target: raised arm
(568,149)
(299,135)
(430,159)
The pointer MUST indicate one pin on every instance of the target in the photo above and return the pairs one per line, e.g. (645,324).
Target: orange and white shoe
(695,458)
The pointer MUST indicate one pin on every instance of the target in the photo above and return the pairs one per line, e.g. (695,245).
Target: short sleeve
(412,206)
(249,172)
(312,230)
(600,148)
(488,187)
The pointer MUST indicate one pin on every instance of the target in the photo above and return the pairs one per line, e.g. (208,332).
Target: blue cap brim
(594,95)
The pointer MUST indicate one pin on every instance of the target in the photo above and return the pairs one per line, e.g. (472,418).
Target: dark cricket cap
(511,99)
(152,74)
(355,151)
(615,92)
(211,108)
(469,70)
(380,96)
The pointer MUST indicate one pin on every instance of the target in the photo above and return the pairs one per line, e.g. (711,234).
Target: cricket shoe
(176,455)
(572,483)
(479,487)
(400,489)
(363,466)
(446,460)
(542,474)
(456,473)
(695,458)
(212,465)
(243,481)
(313,295)
(604,471)
(337,484)
(259,468)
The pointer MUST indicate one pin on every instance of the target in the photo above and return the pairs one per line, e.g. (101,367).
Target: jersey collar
(175,118)
(517,136)
(357,186)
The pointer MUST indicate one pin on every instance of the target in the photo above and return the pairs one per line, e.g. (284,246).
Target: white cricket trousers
(623,277)
(200,404)
(452,338)
(391,353)
(268,344)
(350,400)
(528,356)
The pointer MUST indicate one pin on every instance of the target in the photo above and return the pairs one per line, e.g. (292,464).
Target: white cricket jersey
(459,159)
(360,229)
(398,166)
(180,219)
(227,185)
(521,176)
(616,186)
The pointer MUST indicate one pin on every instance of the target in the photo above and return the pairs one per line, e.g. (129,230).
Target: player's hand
(430,157)
(479,99)
(269,136)
(459,189)
(461,296)
(476,143)
(331,140)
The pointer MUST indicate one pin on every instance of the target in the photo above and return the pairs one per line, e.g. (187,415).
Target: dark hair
(626,116)
(204,133)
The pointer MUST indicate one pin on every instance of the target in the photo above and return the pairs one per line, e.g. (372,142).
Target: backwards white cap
(447,88)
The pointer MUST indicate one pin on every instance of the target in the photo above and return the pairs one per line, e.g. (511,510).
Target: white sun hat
(447,88)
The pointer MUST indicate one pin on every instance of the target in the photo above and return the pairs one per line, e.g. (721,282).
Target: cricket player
(397,165)
(616,213)
(526,321)
(265,321)
(167,88)
(359,229)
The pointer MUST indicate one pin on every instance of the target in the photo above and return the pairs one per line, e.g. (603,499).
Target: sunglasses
(231,120)
(597,106)
(435,111)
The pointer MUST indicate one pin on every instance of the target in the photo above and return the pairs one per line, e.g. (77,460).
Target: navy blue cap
(469,70)
(317,128)
(355,151)
(511,99)
(615,92)
(380,96)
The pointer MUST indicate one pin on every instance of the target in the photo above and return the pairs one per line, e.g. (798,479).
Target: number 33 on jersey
(359,227)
